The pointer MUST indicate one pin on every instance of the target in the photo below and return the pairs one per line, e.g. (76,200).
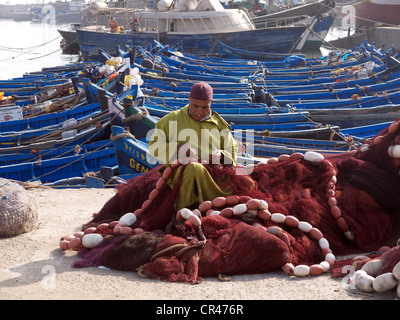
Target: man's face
(199,108)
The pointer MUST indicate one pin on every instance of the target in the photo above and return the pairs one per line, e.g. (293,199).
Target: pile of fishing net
(294,212)
(19,210)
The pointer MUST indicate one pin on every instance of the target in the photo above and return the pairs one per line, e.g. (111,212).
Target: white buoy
(313,156)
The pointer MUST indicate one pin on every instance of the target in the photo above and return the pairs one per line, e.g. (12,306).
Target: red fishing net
(364,185)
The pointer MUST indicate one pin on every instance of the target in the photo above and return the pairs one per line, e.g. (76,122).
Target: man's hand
(186,151)
(216,157)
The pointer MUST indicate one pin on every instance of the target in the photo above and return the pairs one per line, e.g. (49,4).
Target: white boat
(196,26)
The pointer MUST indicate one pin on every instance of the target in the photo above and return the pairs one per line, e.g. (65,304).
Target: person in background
(114,25)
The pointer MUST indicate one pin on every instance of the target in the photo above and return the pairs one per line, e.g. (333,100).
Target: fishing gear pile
(19,210)
(295,212)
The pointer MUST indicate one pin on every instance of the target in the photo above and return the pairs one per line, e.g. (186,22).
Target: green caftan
(206,136)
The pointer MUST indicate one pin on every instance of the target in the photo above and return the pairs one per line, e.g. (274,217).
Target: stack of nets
(367,190)
(18,209)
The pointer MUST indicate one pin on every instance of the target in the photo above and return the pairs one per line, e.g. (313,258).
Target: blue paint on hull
(277,40)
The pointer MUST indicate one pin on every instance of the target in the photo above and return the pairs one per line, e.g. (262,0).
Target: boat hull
(60,168)
(69,44)
(132,156)
(321,29)
(277,40)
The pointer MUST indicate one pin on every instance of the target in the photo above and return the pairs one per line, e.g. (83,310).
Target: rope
(184,247)
(79,159)
(323,40)
(45,55)
(33,47)
(138,116)
(332,130)
(126,134)
(29,51)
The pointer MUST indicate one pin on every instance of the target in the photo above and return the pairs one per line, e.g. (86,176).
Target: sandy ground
(33,267)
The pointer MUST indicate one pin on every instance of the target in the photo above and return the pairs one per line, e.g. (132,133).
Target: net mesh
(19,210)
(367,192)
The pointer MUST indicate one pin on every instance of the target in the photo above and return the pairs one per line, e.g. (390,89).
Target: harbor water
(28,47)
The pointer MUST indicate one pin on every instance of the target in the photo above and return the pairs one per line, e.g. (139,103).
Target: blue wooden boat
(270,150)
(306,130)
(38,84)
(177,57)
(14,138)
(365,132)
(64,167)
(275,131)
(165,94)
(132,155)
(354,81)
(388,86)
(40,121)
(356,116)
(48,137)
(231,52)
(309,144)
(43,131)
(55,161)
(360,102)
(244,116)
(52,164)
(47,129)
(26,155)
(185,61)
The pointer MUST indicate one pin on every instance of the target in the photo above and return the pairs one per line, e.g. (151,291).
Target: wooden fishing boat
(66,161)
(352,117)
(310,144)
(231,52)
(58,168)
(19,155)
(57,165)
(359,78)
(186,63)
(388,86)
(243,115)
(54,136)
(133,156)
(40,121)
(273,123)
(364,132)
(306,130)
(269,150)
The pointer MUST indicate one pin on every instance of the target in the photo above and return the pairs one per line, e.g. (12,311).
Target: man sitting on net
(195,135)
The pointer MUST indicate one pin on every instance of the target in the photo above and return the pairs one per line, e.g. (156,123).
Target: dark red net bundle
(365,184)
